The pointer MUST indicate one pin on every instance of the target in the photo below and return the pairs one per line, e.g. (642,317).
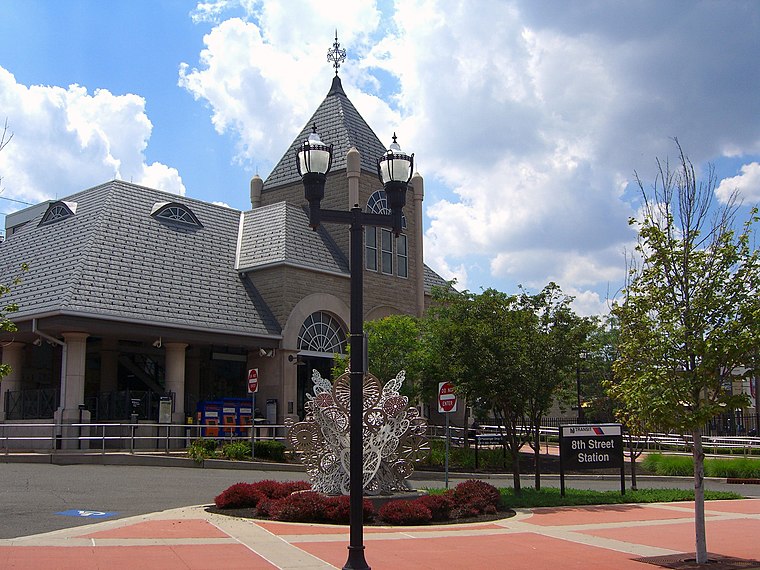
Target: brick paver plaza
(600,537)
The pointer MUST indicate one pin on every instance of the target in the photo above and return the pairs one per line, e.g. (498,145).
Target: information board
(591,446)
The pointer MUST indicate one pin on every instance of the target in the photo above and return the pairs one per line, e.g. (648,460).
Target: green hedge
(683,465)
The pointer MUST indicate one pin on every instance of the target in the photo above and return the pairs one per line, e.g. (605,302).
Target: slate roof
(338,122)
(280,234)
(432,279)
(113,260)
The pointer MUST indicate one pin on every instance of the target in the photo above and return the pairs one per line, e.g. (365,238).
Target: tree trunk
(633,470)
(516,470)
(699,497)
(466,425)
(537,458)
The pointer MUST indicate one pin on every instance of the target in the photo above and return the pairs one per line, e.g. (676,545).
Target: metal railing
(120,437)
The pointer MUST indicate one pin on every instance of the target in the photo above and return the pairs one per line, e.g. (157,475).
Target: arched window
(58,211)
(175,212)
(321,332)
(379,242)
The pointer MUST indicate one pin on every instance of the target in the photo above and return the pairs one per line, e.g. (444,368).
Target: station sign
(597,446)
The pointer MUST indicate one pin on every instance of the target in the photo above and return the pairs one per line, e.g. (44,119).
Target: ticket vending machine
(208,415)
(229,418)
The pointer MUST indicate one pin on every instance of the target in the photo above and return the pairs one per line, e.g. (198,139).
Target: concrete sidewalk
(589,538)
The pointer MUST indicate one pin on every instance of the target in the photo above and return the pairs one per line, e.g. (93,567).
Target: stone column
(353,171)
(288,405)
(13,356)
(72,391)
(417,196)
(175,378)
(257,185)
(72,388)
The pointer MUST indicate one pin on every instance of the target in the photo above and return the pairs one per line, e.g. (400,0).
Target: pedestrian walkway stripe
(87,514)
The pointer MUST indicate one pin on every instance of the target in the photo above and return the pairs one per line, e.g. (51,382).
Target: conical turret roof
(338,122)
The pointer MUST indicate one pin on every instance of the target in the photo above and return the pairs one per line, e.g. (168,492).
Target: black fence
(31,404)
(121,404)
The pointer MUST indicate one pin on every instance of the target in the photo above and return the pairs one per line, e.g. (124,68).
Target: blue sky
(528,118)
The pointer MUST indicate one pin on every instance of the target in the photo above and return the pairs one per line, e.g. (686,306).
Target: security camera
(37,341)
(157,343)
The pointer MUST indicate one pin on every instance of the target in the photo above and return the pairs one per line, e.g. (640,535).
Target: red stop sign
(253,380)
(447,399)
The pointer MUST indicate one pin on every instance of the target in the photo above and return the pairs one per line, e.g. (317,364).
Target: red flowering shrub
(306,506)
(475,497)
(338,509)
(404,513)
(292,486)
(272,489)
(440,505)
(249,495)
(238,496)
(264,508)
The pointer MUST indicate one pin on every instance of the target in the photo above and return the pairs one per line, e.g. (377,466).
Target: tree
(393,344)
(5,138)
(7,308)
(482,345)
(689,313)
(554,338)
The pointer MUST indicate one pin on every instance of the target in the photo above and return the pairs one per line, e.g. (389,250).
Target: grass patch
(669,465)
(683,465)
(741,468)
(550,497)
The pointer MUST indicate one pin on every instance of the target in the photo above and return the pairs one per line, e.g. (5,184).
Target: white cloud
(527,120)
(68,139)
(262,76)
(747,184)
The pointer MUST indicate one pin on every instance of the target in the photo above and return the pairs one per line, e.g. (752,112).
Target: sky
(528,118)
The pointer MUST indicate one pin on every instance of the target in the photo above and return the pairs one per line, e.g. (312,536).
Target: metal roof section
(279,234)
(114,261)
(338,123)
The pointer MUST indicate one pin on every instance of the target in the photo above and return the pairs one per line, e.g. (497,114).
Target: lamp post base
(356,559)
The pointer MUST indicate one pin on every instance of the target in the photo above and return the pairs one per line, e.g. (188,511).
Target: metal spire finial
(336,55)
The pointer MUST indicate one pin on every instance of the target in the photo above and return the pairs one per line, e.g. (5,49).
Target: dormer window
(175,212)
(58,211)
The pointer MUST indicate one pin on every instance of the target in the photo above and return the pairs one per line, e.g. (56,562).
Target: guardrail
(119,437)
(490,435)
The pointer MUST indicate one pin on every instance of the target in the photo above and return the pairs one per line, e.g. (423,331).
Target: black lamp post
(394,168)
(578,370)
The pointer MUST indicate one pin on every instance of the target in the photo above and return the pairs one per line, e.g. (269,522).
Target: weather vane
(336,55)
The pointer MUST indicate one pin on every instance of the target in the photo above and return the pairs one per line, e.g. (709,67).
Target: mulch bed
(252,514)
(687,562)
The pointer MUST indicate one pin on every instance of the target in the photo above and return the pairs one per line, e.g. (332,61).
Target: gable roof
(280,234)
(112,260)
(338,122)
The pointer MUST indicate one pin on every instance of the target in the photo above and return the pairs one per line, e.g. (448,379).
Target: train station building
(134,294)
